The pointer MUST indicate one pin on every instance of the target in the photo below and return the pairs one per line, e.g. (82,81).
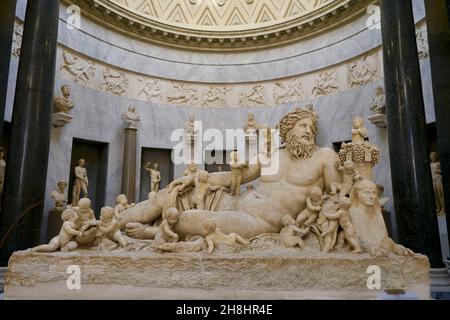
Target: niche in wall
(163,157)
(96,156)
(217,160)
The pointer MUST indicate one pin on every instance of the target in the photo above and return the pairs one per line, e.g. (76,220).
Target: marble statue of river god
(302,167)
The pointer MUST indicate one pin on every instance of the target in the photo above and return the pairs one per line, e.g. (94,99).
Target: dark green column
(438,24)
(26,173)
(410,166)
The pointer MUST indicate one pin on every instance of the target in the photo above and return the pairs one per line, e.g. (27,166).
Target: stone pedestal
(60,119)
(379,120)
(279,274)
(129,164)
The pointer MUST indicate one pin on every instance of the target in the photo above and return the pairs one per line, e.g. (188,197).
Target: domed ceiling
(222,24)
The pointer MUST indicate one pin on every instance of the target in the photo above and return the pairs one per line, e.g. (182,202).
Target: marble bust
(251,126)
(63,103)
(367,218)
(256,212)
(131,117)
(59,196)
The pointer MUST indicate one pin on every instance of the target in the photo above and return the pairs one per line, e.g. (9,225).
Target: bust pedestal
(60,119)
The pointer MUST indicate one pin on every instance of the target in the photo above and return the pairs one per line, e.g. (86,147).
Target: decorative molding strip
(234,26)
(99,76)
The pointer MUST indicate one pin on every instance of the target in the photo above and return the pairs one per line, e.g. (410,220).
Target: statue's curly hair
(290,120)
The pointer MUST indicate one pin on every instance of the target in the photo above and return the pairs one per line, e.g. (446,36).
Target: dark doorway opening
(163,157)
(217,160)
(96,156)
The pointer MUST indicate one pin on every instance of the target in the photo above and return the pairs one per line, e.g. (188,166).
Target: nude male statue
(81,182)
(302,166)
(155,176)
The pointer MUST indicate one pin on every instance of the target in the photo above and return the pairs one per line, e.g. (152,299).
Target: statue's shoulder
(326,153)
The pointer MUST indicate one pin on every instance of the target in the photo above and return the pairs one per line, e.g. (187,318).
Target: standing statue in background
(437,183)
(155,176)
(81,182)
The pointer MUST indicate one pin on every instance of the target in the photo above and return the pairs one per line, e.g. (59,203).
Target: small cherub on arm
(64,240)
(350,176)
(166,232)
(313,206)
(214,236)
(291,235)
(122,205)
(108,227)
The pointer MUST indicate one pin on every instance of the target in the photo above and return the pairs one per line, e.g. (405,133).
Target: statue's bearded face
(300,140)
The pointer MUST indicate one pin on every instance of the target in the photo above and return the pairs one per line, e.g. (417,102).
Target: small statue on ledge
(155,176)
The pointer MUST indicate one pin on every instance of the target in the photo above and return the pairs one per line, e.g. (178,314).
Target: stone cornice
(326,18)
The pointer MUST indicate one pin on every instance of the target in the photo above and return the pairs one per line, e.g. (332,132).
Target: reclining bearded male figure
(302,166)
